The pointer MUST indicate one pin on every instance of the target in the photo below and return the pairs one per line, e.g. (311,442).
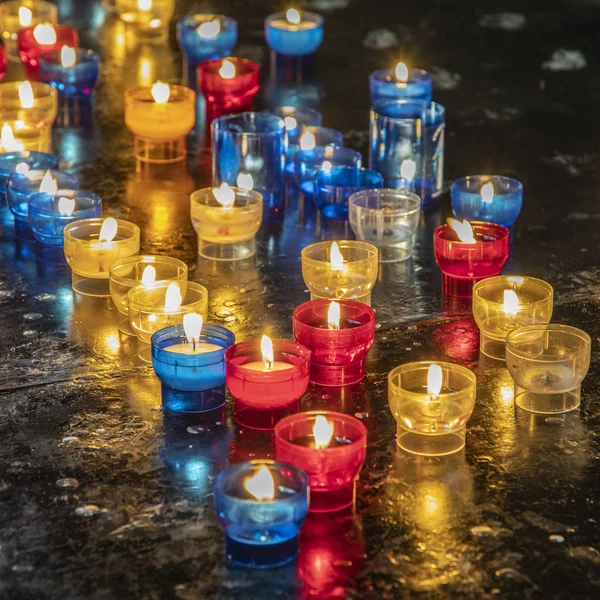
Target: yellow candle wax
(188,348)
(285,24)
(259,365)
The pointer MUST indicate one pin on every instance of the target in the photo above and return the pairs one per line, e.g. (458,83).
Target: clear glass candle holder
(338,356)
(384,85)
(226,232)
(322,136)
(77,80)
(407,146)
(464,263)
(352,279)
(296,118)
(431,425)
(502,206)
(261,533)
(504,303)
(128,273)
(249,151)
(30,50)
(149,18)
(47,221)
(192,375)
(332,470)
(90,259)
(548,364)
(291,39)
(265,396)
(333,188)
(23,161)
(19,189)
(31,125)
(386,218)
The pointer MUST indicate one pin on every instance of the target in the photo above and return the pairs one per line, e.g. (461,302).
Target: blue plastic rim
(197,48)
(294,41)
(324,136)
(261,533)
(384,85)
(302,117)
(78,80)
(9,161)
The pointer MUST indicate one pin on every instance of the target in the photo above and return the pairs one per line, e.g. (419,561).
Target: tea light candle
(468,252)
(72,71)
(21,186)
(150,18)
(22,162)
(160,116)
(399,83)
(344,269)
(330,448)
(92,246)
(294,33)
(502,304)
(228,85)
(189,359)
(339,335)
(226,220)
(41,39)
(50,213)
(431,402)
(490,198)
(267,378)
(261,505)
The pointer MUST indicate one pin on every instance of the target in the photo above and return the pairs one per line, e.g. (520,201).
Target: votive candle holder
(22,162)
(77,80)
(264,396)
(385,85)
(431,424)
(296,118)
(261,533)
(337,356)
(388,219)
(30,49)
(548,363)
(290,37)
(504,303)
(332,470)
(321,136)
(149,18)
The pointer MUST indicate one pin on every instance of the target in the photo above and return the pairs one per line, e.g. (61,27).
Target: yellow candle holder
(150,18)
(30,113)
(431,424)
(350,276)
(226,225)
(160,120)
(130,272)
(504,303)
(90,259)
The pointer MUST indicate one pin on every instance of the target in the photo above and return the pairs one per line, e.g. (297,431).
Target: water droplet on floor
(557,539)
(195,429)
(67,482)
(156,409)
(33,316)
(89,510)
(358,415)
(45,297)
(22,568)
(30,332)
(482,530)
(71,439)
(508,573)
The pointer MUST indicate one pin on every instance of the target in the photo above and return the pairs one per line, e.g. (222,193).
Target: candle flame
(293,16)
(245,181)
(308,141)
(66,206)
(22,168)
(48,185)
(401,72)
(149,276)
(25,16)
(68,57)
(333,316)
(434,380)
(224,195)
(45,34)
(335,257)
(108,230)
(266,348)
(463,230)
(25,94)
(161,92)
(192,325)
(144,5)
(261,485)
(9,144)
(323,431)
(209,29)
(326,166)
(511,302)
(227,70)
(173,297)
(408,168)
(290,123)
(487,192)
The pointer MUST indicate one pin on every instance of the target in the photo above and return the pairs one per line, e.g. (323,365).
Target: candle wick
(193,344)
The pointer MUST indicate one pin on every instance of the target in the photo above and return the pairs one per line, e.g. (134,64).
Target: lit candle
(22,161)
(399,83)
(294,33)
(72,71)
(149,17)
(268,362)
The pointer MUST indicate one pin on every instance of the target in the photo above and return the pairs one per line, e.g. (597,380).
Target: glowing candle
(293,33)
(268,363)
(400,82)
(149,17)
(72,71)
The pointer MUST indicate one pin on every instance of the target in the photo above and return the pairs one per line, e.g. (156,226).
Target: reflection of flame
(173,297)
(335,257)
(308,141)
(66,206)
(322,431)
(8,142)
(290,123)
(224,195)
(161,92)
(245,181)
(333,316)
(326,167)
(511,302)
(48,185)
(22,168)
(192,325)
(44,34)
(149,275)
(68,58)
(108,230)
(408,169)
(25,94)
(261,485)
(487,192)
(293,16)
(463,230)
(434,380)
(25,16)
(401,72)
(144,5)
(266,348)
(227,70)
(209,29)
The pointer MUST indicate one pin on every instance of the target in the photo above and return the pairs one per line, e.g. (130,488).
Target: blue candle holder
(261,533)
(20,187)
(77,80)
(191,382)
(384,85)
(407,146)
(203,37)
(10,161)
(296,119)
(47,221)
(249,152)
(286,36)
(501,204)
(308,162)
(320,136)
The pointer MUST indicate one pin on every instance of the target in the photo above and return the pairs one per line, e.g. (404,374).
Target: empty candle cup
(548,364)
(431,403)
(330,447)
(22,162)
(261,505)
(149,18)
(294,33)
(386,218)
(399,83)
(502,304)
(72,71)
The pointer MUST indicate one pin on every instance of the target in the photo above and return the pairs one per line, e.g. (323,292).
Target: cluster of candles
(263,503)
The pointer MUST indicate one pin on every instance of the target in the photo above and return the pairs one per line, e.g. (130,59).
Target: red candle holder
(332,470)
(30,49)
(465,263)
(338,356)
(226,96)
(263,397)
(3,62)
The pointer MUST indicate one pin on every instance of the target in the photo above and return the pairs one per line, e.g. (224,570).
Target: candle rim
(310,305)
(223,122)
(178,94)
(199,292)
(413,199)
(37,198)
(143,258)
(371,251)
(305,15)
(556,327)
(496,279)
(461,185)
(131,229)
(193,21)
(503,232)
(53,57)
(254,199)
(414,74)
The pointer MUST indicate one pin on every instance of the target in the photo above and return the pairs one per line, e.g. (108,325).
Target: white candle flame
(68,57)
(333,316)
(48,185)
(161,92)
(192,325)
(463,229)
(45,34)
(108,230)
(511,302)
(245,181)
(487,192)
(149,276)
(293,16)
(173,297)
(266,348)
(401,72)
(144,5)
(224,195)
(209,29)
(25,16)
(408,168)
(66,206)
(322,431)
(8,142)
(290,123)
(261,485)
(308,141)
(434,380)
(227,70)
(335,257)
(26,94)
